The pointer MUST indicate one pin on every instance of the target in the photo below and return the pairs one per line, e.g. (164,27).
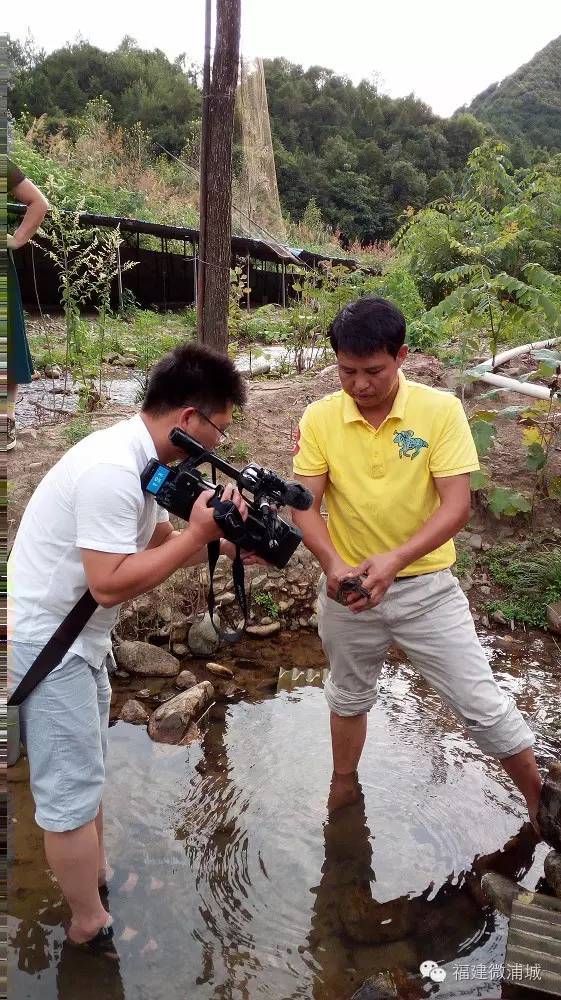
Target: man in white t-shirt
(89,524)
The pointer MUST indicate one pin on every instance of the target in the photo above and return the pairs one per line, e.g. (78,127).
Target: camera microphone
(298,496)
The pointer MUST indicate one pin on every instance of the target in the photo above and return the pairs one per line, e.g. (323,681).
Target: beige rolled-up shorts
(429,618)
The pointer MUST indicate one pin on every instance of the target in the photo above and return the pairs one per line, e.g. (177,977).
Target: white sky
(444,52)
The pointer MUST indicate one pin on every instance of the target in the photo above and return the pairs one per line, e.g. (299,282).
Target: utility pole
(203,173)
(216,185)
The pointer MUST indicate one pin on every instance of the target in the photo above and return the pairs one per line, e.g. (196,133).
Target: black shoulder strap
(56,648)
(238,575)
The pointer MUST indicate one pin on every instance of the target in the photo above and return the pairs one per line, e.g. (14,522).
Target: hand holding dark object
(351,585)
(378,573)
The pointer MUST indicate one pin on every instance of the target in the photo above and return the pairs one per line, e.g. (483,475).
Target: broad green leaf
(478,480)
(536,457)
(538,408)
(483,435)
(508,502)
(487,415)
(546,370)
(532,435)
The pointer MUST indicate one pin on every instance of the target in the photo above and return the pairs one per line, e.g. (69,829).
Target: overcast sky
(444,52)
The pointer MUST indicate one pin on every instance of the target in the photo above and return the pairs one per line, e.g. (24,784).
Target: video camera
(265,533)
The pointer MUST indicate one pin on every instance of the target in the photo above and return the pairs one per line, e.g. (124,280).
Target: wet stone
(133,711)
(500,891)
(549,812)
(186,679)
(263,631)
(145,659)
(219,670)
(552,869)
(203,639)
(170,722)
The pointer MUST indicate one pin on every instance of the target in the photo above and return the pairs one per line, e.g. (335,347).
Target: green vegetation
(142,87)
(76,429)
(531,581)
(267,604)
(525,108)
(464,560)
(474,259)
(351,153)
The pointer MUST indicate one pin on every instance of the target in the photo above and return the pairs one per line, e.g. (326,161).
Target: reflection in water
(447,923)
(231,883)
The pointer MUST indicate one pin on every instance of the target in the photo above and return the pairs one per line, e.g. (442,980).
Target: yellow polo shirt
(381,488)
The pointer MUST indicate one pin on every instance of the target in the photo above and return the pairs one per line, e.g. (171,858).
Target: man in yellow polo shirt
(392,459)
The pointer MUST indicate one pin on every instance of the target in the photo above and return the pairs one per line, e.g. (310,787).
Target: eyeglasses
(224,436)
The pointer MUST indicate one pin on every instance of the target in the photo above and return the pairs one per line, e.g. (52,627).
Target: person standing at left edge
(20,365)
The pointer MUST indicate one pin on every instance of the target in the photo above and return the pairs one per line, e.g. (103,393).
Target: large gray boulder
(169,723)
(145,660)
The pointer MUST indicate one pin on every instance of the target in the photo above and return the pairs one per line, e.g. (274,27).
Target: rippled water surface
(230,882)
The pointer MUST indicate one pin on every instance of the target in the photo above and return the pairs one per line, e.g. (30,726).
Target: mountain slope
(527,105)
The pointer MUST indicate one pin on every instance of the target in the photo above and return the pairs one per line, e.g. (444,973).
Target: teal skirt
(20,365)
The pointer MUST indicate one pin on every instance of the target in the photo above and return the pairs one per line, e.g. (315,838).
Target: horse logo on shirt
(409,445)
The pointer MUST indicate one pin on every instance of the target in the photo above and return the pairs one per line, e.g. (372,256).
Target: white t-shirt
(91,499)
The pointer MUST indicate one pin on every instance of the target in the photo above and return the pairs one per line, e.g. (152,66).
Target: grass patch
(531,582)
(76,429)
(464,560)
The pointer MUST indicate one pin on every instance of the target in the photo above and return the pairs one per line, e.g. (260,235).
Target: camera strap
(56,648)
(238,576)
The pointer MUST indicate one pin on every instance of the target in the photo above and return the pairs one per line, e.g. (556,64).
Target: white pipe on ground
(525,388)
(502,382)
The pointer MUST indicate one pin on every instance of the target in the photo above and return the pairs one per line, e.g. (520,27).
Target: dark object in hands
(264,533)
(351,585)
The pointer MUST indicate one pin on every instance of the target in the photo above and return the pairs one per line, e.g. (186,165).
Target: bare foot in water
(345,790)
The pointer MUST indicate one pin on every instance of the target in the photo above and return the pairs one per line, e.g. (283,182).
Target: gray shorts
(63,724)
(429,618)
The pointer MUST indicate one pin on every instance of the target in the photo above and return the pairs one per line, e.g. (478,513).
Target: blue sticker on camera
(158,479)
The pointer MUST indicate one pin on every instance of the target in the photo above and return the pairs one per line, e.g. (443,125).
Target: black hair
(193,375)
(370,324)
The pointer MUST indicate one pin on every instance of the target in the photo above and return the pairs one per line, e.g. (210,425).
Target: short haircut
(193,375)
(366,326)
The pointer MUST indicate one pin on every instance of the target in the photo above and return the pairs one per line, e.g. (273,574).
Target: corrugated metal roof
(534,941)
(258,249)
